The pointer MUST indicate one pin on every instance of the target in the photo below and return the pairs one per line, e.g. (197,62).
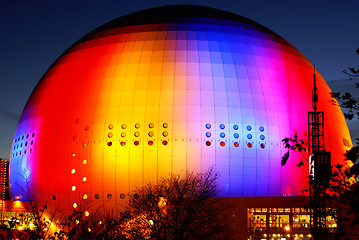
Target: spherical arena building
(163,91)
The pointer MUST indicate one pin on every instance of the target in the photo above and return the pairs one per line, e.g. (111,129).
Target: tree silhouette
(177,207)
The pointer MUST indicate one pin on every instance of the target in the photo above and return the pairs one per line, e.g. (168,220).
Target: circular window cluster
(251,135)
(23,142)
(137,134)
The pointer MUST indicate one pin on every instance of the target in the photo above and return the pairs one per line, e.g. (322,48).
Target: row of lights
(235,144)
(235,127)
(288,235)
(137,142)
(73,188)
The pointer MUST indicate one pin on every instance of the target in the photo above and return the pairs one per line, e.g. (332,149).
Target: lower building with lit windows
(171,89)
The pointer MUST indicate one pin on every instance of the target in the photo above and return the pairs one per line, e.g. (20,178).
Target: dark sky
(34,33)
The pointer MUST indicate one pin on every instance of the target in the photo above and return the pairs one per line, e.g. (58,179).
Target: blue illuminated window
(249,136)
(235,127)
(249,127)
(222,135)
(262,137)
(221,126)
(261,128)
(208,125)
(208,134)
(236,135)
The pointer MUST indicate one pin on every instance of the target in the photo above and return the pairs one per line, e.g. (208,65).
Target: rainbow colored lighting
(164,90)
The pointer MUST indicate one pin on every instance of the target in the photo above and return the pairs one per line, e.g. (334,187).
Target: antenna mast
(319,168)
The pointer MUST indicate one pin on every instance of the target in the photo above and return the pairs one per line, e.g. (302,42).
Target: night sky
(35,33)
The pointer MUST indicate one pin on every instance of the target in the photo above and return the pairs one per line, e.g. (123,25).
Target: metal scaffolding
(319,169)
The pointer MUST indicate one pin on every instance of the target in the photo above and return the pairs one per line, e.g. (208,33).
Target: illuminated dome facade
(164,90)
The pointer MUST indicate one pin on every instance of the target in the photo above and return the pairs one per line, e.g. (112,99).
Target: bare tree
(177,207)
